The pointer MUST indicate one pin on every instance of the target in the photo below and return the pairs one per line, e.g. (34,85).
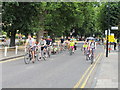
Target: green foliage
(60,18)
(110,16)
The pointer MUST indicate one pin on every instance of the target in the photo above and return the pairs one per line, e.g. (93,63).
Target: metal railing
(5,49)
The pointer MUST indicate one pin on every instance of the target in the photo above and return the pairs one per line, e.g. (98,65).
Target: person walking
(115,44)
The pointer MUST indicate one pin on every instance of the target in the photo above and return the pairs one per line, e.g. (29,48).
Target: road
(59,71)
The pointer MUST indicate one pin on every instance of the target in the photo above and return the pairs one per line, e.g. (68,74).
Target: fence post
(16,50)
(5,51)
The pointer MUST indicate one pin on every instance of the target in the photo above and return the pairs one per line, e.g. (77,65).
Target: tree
(17,16)
(113,14)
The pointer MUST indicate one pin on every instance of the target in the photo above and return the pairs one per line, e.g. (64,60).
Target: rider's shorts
(92,48)
(72,47)
(33,48)
(43,47)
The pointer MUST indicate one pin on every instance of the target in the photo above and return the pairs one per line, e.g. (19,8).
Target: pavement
(11,54)
(107,73)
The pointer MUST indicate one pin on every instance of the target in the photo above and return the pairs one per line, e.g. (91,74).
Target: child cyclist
(72,44)
(85,47)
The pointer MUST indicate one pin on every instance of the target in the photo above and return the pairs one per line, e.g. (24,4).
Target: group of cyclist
(70,43)
(44,44)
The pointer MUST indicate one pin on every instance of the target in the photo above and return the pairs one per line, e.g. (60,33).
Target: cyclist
(31,42)
(62,42)
(49,45)
(72,44)
(42,44)
(54,48)
(92,45)
(75,41)
(85,47)
(48,41)
(69,38)
(68,43)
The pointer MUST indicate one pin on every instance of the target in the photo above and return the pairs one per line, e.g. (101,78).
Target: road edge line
(13,59)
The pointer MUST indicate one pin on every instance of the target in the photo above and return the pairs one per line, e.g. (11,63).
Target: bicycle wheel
(27,58)
(48,52)
(87,57)
(81,48)
(36,57)
(70,51)
(92,59)
(44,56)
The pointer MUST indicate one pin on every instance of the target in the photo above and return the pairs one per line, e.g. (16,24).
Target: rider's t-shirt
(85,46)
(31,41)
(62,40)
(74,40)
(42,42)
(72,43)
(92,44)
(48,41)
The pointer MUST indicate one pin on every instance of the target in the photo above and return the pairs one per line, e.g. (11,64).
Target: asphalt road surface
(59,71)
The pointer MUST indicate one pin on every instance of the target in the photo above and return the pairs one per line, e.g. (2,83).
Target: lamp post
(108,28)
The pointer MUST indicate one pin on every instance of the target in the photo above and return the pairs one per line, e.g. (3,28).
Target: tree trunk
(38,36)
(12,38)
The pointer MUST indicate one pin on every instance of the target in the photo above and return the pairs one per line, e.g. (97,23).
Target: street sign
(114,28)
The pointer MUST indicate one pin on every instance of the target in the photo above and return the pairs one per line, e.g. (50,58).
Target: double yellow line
(89,71)
(11,60)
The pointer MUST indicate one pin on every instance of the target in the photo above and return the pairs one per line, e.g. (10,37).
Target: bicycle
(28,55)
(92,56)
(55,49)
(62,47)
(41,54)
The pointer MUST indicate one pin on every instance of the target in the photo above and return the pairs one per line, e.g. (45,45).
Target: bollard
(5,51)
(16,50)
